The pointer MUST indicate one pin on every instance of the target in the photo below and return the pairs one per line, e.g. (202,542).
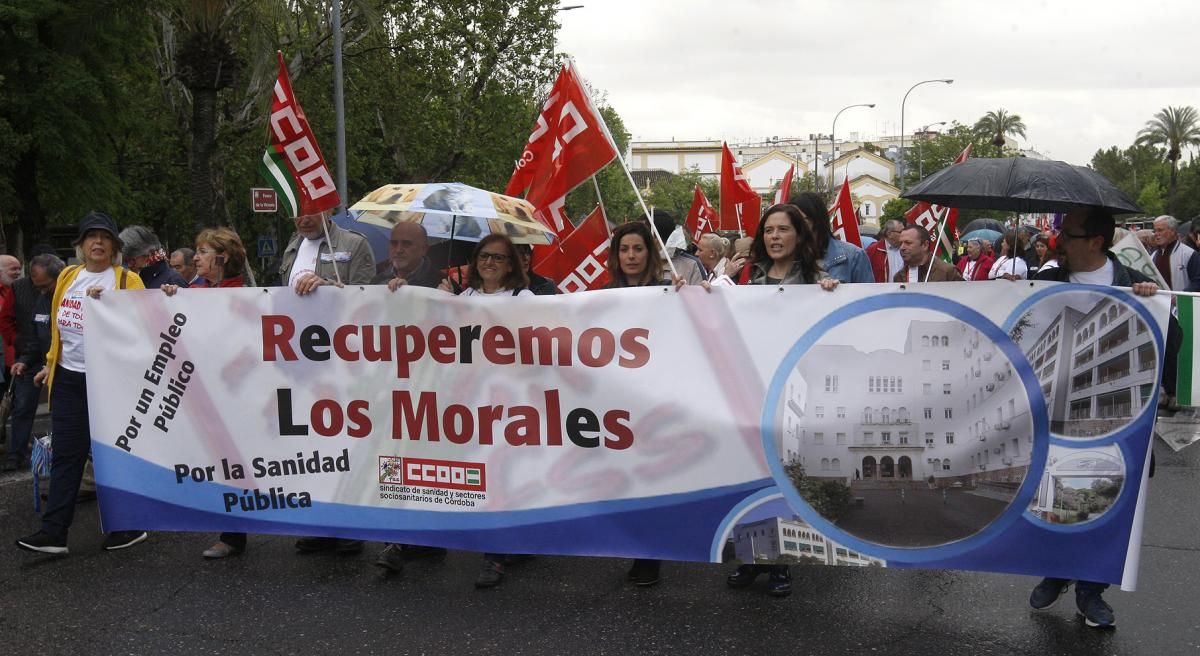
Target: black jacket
(1123,276)
(33,336)
(425,275)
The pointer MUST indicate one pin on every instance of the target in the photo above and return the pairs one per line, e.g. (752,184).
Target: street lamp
(920,160)
(833,131)
(904,100)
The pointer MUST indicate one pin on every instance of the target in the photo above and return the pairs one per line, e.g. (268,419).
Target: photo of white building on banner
(766,540)
(1096,367)
(946,410)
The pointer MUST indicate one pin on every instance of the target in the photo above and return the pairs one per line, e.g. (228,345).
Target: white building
(766,540)
(1107,375)
(948,407)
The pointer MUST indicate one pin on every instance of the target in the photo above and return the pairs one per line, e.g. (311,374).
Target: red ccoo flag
(842,218)
(293,164)
(930,216)
(702,217)
(581,262)
(785,186)
(738,200)
(568,145)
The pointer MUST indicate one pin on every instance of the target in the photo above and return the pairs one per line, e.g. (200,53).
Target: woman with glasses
(220,262)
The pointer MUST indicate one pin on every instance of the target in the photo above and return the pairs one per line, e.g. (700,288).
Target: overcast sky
(1083,75)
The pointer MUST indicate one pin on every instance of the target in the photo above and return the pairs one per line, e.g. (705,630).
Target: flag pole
(600,200)
(937,242)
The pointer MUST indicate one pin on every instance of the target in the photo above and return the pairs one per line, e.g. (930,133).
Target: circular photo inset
(1095,360)
(923,439)
(1079,485)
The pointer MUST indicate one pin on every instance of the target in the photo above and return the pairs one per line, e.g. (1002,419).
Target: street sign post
(267,247)
(264,199)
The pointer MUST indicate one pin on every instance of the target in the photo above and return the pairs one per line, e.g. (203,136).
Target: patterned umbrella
(452,210)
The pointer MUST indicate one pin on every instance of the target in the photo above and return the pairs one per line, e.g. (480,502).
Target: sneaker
(644,572)
(345,547)
(1047,593)
(743,576)
(391,558)
(221,550)
(43,543)
(780,583)
(490,575)
(415,551)
(1095,611)
(122,539)
(313,545)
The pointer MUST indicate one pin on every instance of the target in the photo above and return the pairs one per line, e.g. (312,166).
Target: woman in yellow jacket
(99,248)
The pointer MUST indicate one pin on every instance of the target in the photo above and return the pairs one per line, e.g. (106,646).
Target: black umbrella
(1020,184)
(985,224)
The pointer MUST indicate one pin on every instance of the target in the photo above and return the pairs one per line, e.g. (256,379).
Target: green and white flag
(1187,389)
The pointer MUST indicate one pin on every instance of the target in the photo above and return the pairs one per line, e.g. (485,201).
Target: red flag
(702,217)
(842,218)
(293,164)
(738,200)
(568,145)
(930,216)
(582,262)
(785,186)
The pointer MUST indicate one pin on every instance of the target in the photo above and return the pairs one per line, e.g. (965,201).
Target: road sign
(267,247)
(264,200)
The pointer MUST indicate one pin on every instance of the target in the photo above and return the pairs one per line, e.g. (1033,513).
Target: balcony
(1113,375)
(1118,411)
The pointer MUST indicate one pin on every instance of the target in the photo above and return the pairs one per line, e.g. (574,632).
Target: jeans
(71,441)
(1081,586)
(24,409)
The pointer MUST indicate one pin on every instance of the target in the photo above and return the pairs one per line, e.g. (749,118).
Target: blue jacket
(846,262)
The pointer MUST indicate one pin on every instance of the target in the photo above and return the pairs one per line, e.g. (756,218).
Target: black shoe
(415,551)
(1095,611)
(780,583)
(490,575)
(123,539)
(391,558)
(644,572)
(743,576)
(43,543)
(346,547)
(313,545)
(1047,593)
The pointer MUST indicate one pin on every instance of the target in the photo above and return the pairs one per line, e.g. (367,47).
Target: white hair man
(1178,263)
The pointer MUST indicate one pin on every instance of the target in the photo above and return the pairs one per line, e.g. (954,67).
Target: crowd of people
(43,340)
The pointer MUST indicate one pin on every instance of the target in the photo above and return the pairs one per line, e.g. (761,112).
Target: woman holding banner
(785,252)
(220,262)
(1009,266)
(98,247)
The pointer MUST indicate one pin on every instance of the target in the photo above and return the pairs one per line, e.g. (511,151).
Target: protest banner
(999,428)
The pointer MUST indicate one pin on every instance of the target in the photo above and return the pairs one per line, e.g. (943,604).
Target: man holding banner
(920,265)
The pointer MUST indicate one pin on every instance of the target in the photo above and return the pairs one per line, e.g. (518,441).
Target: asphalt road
(161,597)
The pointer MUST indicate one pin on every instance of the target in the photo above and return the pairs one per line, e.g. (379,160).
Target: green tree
(831,499)
(895,209)
(1151,199)
(675,193)
(1172,128)
(999,124)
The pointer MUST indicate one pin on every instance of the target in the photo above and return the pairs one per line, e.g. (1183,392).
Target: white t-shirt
(1009,266)
(471,291)
(895,261)
(70,319)
(306,259)
(1101,276)
(914,274)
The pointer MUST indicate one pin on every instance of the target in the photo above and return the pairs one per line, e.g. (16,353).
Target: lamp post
(902,102)
(920,161)
(833,131)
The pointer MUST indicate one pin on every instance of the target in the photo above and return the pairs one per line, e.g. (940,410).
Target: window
(871,384)
(904,437)
(924,365)
(886,415)
(868,437)
(818,438)
(929,413)
(885,437)
(929,440)
(836,464)
(945,341)
(946,388)
(841,412)
(824,464)
(868,415)
(841,438)
(949,438)
(831,383)
(820,412)
(949,413)
(946,464)
(925,340)
(945,365)
(927,388)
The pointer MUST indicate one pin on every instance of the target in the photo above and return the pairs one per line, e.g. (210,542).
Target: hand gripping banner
(998,427)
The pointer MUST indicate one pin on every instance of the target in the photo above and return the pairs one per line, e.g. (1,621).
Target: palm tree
(1176,128)
(999,124)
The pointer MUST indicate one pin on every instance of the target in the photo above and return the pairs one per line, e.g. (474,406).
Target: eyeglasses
(498,258)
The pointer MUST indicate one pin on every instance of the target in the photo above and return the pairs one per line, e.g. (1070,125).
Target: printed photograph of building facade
(1079,485)
(1095,360)
(929,434)
(792,540)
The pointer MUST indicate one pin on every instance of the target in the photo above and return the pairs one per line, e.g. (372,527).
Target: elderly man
(919,264)
(32,311)
(183,261)
(884,254)
(712,254)
(407,248)
(310,261)
(143,254)
(1178,263)
(1085,238)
